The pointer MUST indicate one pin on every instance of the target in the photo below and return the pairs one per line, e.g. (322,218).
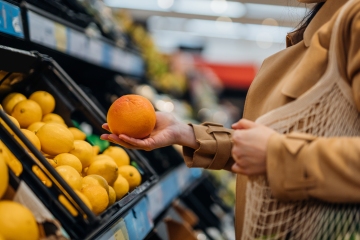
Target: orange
(27,112)
(45,100)
(132,115)
(119,155)
(11,100)
(131,174)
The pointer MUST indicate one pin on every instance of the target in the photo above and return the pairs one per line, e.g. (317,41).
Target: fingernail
(103,137)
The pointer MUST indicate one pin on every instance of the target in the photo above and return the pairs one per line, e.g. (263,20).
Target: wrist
(186,136)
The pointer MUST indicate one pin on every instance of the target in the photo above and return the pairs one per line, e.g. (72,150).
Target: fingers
(237,169)
(106,127)
(115,139)
(244,124)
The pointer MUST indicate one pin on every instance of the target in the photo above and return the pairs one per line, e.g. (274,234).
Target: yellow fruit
(103,157)
(34,127)
(95,180)
(119,155)
(17,222)
(84,171)
(105,168)
(70,175)
(97,196)
(96,149)
(4,175)
(83,150)
(131,174)
(11,100)
(45,100)
(53,117)
(2,122)
(52,162)
(112,196)
(84,199)
(55,139)
(121,187)
(31,136)
(27,112)
(69,160)
(78,134)
(13,163)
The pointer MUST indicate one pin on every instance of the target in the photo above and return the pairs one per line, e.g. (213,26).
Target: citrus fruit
(83,150)
(97,196)
(132,115)
(4,175)
(112,196)
(70,175)
(96,149)
(45,100)
(55,139)
(53,117)
(31,136)
(131,174)
(11,100)
(103,156)
(119,155)
(69,160)
(27,112)
(121,187)
(95,180)
(105,168)
(34,127)
(78,134)
(17,221)
(84,199)
(13,163)
(2,122)
(52,162)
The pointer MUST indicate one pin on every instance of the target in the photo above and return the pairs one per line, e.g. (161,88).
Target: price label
(77,43)
(60,37)
(41,30)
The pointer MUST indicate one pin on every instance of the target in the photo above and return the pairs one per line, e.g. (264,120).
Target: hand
(168,130)
(250,142)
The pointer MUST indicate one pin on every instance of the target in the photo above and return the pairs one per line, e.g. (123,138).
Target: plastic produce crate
(72,104)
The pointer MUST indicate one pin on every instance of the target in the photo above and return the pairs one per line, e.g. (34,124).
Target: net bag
(326,110)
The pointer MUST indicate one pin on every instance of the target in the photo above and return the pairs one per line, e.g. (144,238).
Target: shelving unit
(33,29)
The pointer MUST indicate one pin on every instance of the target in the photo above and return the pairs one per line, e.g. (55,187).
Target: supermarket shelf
(139,221)
(37,27)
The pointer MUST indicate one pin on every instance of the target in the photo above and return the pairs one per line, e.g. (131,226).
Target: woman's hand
(168,130)
(250,142)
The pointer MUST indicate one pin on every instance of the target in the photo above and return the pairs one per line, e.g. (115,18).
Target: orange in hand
(132,115)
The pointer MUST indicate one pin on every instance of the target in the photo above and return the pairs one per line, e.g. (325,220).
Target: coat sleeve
(301,166)
(215,147)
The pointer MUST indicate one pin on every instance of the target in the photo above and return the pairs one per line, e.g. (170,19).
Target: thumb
(244,124)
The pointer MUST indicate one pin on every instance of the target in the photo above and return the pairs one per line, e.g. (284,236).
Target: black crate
(43,73)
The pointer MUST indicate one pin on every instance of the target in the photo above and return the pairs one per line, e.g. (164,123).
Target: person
(296,150)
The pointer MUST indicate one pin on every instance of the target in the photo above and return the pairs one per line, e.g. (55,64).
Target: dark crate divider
(45,74)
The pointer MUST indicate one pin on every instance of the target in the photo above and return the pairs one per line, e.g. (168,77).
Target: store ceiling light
(165,4)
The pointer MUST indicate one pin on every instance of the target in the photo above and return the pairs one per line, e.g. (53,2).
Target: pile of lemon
(16,220)
(98,179)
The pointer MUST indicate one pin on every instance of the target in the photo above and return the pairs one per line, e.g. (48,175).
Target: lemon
(2,122)
(83,150)
(78,134)
(84,199)
(17,221)
(105,168)
(95,180)
(11,100)
(13,163)
(119,155)
(27,112)
(4,175)
(53,117)
(96,149)
(103,157)
(45,100)
(131,174)
(112,196)
(34,127)
(52,162)
(97,196)
(31,136)
(121,187)
(70,175)
(69,160)
(55,139)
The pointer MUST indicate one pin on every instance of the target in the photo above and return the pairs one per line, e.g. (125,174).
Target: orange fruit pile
(132,115)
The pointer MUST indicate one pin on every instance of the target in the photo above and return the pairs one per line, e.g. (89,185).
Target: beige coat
(282,78)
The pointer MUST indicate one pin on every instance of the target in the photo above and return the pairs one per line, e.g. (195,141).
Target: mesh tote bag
(326,110)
